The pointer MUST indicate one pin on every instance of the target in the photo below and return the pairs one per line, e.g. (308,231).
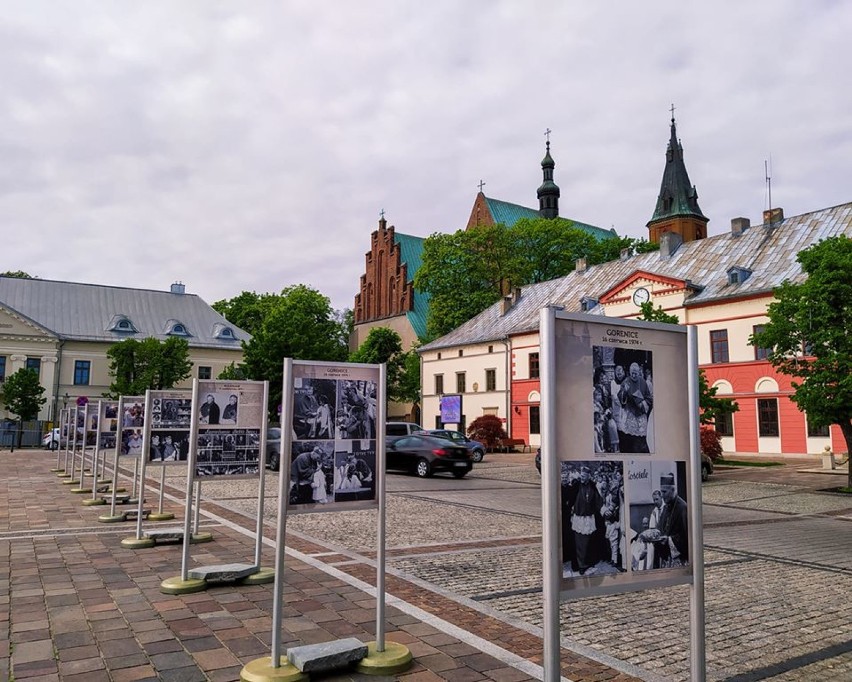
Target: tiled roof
(509,214)
(87,312)
(411,253)
(769,252)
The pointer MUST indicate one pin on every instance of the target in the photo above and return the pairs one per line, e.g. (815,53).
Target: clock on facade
(641,295)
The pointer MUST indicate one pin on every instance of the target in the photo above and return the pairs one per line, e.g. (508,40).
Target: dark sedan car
(425,455)
(477,449)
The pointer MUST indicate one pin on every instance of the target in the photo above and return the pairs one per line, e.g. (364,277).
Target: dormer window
(587,303)
(121,323)
(224,332)
(738,275)
(176,328)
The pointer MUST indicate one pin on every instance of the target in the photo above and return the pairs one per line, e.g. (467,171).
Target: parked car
(538,460)
(476,449)
(273,448)
(394,430)
(51,439)
(425,455)
(706,467)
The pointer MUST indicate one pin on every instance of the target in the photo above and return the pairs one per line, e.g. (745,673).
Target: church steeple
(677,208)
(548,193)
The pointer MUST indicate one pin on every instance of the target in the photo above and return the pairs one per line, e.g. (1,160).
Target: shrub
(487,429)
(711,443)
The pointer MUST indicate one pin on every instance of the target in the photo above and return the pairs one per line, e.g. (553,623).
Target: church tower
(677,208)
(548,193)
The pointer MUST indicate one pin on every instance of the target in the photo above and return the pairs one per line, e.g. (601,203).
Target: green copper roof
(411,253)
(509,214)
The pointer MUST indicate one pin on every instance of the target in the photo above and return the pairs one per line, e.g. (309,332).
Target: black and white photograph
(354,471)
(312,473)
(219,408)
(356,409)
(623,397)
(313,408)
(659,527)
(134,414)
(107,441)
(592,500)
(171,413)
(168,446)
(131,442)
(227,452)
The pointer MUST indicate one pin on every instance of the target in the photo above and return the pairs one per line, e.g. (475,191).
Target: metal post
(283,500)
(97,454)
(146,437)
(118,436)
(190,477)
(162,488)
(74,445)
(85,440)
(135,473)
(261,498)
(550,479)
(698,660)
(196,516)
(381,417)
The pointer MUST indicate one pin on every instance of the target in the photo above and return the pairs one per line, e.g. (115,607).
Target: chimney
(625,254)
(505,305)
(669,243)
(739,225)
(773,215)
(516,294)
(581,265)
(178,288)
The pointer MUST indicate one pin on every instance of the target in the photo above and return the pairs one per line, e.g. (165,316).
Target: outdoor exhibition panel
(621,495)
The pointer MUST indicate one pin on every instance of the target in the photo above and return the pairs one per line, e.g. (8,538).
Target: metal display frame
(559,382)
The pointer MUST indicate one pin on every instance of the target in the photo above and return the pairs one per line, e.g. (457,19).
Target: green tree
(138,365)
(403,368)
(19,274)
(712,406)
(247,310)
(465,272)
(300,325)
(23,396)
(808,334)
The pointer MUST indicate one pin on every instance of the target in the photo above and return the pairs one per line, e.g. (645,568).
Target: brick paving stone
(215,659)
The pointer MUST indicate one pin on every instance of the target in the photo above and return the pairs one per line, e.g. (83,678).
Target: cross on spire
(547,135)
(382,214)
(481,185)
(673,110)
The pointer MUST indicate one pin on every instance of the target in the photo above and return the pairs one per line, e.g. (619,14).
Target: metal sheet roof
(85,312)
(769,252)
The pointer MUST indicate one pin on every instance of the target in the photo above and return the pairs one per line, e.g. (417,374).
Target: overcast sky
(251,146)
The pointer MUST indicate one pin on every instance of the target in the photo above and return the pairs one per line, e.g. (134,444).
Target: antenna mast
(766,169)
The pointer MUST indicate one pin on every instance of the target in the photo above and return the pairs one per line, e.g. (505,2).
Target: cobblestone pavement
(75,605)
(778,571)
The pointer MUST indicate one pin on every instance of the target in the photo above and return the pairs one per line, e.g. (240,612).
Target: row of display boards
(621,491)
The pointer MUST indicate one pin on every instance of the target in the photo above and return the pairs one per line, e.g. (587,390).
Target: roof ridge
(92,284)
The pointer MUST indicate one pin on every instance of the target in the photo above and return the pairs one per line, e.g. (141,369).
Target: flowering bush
(711,443)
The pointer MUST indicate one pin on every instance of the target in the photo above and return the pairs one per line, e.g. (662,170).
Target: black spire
(678,197)
(548,193)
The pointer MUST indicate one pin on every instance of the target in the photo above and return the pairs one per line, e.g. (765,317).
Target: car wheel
(422,468)
(478,455)
(274,461)
(460,474)
(53,445)
(705,472)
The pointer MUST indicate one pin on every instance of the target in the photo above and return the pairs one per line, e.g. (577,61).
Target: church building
(722,284)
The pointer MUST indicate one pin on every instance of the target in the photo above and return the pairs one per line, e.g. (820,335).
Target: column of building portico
(50,380)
